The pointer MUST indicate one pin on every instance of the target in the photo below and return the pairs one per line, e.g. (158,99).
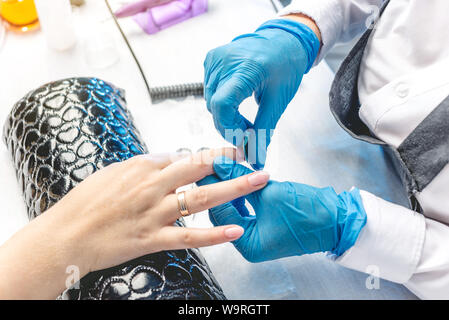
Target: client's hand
(119,213)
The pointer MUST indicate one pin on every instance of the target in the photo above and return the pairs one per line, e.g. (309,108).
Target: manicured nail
(234,232)
(258,178)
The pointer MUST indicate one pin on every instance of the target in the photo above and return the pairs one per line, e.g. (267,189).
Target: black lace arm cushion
(63,132)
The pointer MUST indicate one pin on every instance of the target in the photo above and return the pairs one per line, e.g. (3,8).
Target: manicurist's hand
(290,218)
(121,212)
(269,63)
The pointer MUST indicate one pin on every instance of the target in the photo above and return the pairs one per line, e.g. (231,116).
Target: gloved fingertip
(227,169)
(255,148)
(223,167)
(233,130)
(239,204)
(224,214)
(257,166)
(208,180)
(207,96)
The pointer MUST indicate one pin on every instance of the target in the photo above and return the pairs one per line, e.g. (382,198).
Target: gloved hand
(271,63)
(291,218)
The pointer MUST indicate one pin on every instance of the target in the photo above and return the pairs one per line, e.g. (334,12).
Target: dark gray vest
(421,156)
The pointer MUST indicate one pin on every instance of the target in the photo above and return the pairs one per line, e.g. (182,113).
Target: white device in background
(55,17)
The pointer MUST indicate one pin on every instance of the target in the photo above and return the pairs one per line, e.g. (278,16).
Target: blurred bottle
(100,49)
(20,15)
(56,22)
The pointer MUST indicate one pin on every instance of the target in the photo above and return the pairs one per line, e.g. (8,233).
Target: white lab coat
(403,77)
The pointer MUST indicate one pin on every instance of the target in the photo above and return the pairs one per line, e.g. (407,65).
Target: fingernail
(258,178)
(234,232)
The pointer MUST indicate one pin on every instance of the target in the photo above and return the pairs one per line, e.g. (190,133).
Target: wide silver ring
(182,205)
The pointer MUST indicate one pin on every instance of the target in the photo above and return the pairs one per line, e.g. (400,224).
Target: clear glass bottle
(57,24)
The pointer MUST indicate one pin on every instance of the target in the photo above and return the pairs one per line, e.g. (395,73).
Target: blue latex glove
(269,62)
(291,218)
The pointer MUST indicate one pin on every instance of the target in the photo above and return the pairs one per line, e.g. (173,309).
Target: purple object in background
(138,6)
(164,16)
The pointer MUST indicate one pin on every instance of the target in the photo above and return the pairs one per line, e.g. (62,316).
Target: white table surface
(305,134)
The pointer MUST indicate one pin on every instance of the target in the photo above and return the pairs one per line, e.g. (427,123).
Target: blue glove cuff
(351,222)
(303,33)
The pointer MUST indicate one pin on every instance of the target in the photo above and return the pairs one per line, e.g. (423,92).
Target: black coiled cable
(176,91)
(160,93)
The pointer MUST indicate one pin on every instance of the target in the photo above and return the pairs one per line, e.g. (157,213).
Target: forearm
(402,246)
(337,20)
(430,279)
(33,263)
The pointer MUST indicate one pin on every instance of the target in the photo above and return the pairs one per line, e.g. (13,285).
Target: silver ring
(182,205)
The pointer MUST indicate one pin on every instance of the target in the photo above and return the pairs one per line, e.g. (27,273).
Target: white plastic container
(55,17)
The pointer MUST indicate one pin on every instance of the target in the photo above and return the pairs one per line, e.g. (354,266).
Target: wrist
(69,238)
(350,221)
(302,18)
(302,32)
(34,262)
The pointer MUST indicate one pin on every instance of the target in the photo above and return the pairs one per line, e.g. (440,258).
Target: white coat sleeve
(402,246)
(338,20)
